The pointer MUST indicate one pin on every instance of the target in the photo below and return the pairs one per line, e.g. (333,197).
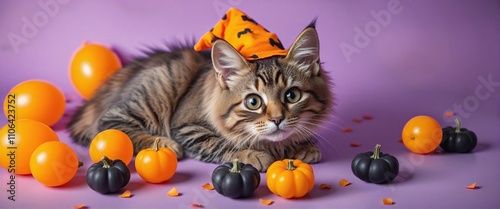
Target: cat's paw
(173,145)
(258,159)
(309,154)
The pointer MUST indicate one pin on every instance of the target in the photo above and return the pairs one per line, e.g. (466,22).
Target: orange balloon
(91,65)
(54,163)
(113,144)
(36,100)
(422,134)
(25,135)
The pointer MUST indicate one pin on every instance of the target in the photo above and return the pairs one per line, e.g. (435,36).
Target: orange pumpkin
(422,134)
(290,178)
(155,164)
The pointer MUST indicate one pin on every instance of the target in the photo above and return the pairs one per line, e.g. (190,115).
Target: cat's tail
(84,124)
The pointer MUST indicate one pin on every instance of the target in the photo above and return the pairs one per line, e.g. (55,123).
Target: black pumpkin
(458,139)
(108,176)
(235,179)
(375,167)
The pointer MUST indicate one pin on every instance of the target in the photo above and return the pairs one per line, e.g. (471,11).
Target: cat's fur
(197,104)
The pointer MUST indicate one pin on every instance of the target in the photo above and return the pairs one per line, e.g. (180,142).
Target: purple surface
(427,57)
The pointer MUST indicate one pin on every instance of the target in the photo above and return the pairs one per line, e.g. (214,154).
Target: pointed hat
(248,37)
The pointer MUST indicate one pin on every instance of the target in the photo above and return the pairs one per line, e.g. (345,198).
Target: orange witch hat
(248,37)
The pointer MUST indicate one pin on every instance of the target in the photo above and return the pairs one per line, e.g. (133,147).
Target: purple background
(426,58)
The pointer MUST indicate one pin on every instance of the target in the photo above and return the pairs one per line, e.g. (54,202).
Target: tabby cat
(216,107)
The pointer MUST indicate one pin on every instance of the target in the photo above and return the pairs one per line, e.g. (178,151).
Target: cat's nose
(277,120)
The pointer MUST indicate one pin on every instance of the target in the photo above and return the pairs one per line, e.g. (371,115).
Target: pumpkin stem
(155,144)
(376,152)
(107,163)
(457,122)
(290,165)
(80,164)
(235,168)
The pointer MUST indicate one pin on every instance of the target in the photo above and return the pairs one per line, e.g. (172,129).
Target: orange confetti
(355,144)
(208,186)
(173,192)
(266,202)
(346,130)
(344,183)
(449,114)
(325,186)
(356,120)
(197,205)
(126,194)
(472,186)
(388,201)
(367,117)
(80,206)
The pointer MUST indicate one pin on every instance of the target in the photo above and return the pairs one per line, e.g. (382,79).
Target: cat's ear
(305,49)
(229,64)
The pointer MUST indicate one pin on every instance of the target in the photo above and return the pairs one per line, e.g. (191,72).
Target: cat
(218,106)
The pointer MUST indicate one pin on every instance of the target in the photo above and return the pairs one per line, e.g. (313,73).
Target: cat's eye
(253,102)
(293,95)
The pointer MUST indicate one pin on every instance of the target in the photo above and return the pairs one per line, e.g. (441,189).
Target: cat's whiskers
(236,143)
(302,128)
(230,142)
(310,139)
(255,139)
(308,133)
(336,132)
(320,123)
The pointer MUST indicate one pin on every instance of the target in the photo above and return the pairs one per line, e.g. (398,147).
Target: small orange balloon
(36,100)
(422,134)
(91,65)
(19,140)
(113,144)
(54,163)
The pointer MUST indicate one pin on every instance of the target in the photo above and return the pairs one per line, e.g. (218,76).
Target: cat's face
(273,99)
